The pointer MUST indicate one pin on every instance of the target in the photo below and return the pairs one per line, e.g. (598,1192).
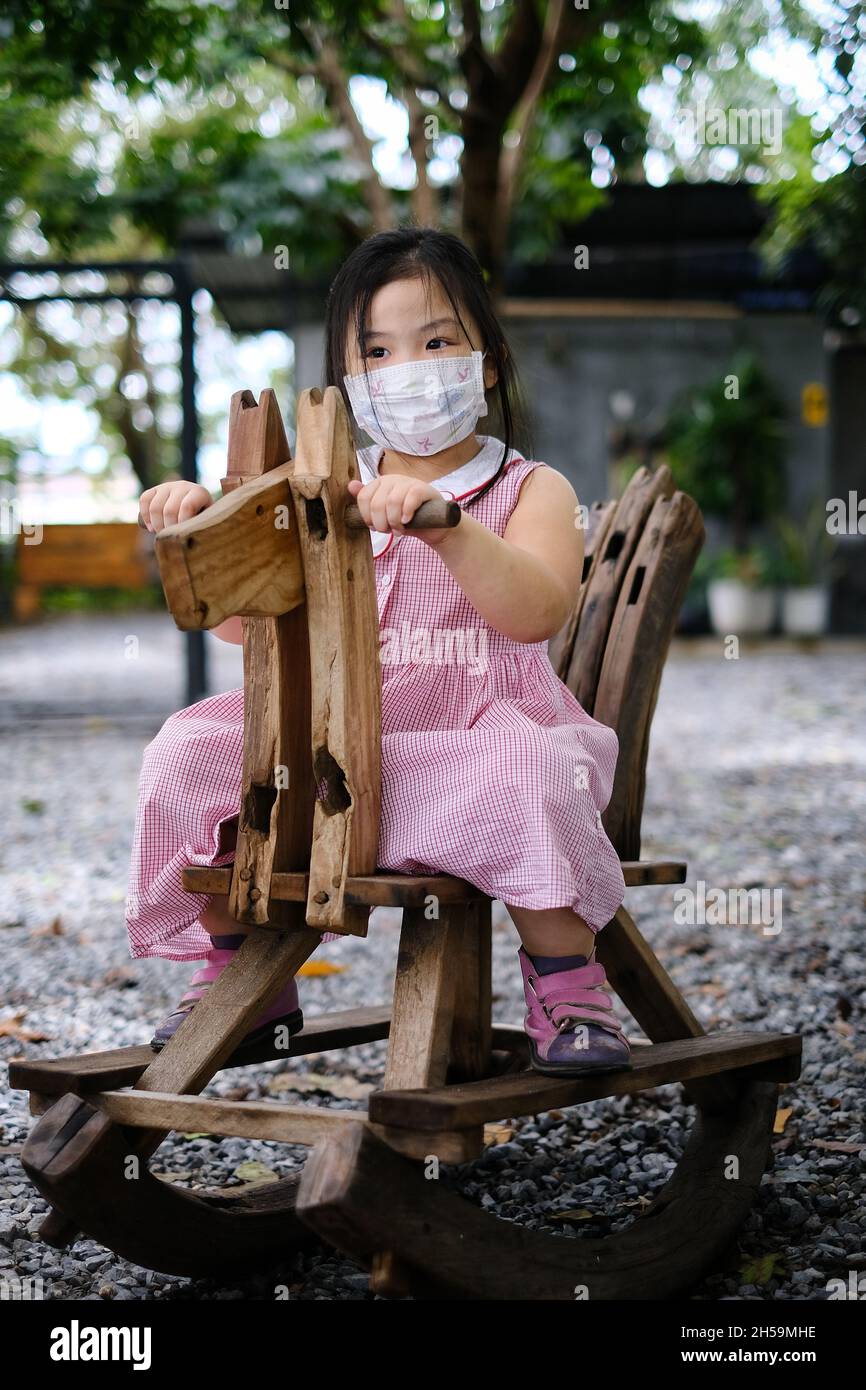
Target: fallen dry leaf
(123,975)
(575,1215)
(11,1028)
(253,1173)
(782,1118)
(762,1269)
(497,1134)
(313,968)
(54,929)
(340,1087)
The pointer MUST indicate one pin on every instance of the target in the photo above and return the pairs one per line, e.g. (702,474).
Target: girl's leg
(218,921)
(552,931)
(227,935)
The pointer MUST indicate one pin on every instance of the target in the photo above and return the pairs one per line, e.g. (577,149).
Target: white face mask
(420,407)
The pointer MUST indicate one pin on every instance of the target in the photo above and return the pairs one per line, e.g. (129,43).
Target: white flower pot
(738,609)
(806,611)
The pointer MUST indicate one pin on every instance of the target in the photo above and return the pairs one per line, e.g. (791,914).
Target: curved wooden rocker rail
(282,549)
(356,1187)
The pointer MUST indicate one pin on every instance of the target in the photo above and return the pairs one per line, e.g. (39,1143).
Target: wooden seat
(286,549)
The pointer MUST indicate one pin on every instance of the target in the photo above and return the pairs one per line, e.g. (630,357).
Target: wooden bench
(106,555)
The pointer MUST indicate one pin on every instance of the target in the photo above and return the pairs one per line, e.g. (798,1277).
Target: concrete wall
(573,369)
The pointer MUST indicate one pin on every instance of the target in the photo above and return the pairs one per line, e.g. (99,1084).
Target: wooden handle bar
(428,517)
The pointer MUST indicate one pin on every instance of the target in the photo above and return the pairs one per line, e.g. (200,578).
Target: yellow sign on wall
(813,404)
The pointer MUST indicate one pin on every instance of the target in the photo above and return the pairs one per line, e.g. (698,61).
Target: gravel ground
(756,777)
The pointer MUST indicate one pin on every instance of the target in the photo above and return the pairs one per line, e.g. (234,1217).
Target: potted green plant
(740,595)
(726,448)
(804,569)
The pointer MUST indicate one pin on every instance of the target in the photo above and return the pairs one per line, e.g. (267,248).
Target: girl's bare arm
(230,631)
(523,583)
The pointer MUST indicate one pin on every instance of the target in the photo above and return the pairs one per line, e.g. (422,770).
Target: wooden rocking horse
(286,548)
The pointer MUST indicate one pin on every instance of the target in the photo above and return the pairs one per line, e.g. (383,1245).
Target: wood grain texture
(239,556)
(79,1159)
(605,581)
(471,1030)
(771,1055)
(424,994)
(84,1164)
(636,650)
(85,1073)
(423,1025)
(247,1119)
(344,662)
(560,647)
(356,1186)
(256,432)
(275,817)
(411,890)
(122,1066)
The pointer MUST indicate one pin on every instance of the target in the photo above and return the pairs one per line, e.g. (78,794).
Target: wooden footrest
(86,1072)
(122,1066)
(766,1056)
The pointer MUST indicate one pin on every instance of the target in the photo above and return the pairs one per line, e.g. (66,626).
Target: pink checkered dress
(491,770)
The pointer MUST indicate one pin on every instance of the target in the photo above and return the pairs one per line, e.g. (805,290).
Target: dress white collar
(457,484)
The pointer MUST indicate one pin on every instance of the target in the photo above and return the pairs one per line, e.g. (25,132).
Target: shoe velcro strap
(566,1013)
(565,995)
(570,1025)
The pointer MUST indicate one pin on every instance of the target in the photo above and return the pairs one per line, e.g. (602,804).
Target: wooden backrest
(639,556)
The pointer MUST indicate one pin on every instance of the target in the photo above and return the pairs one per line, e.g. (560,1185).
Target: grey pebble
(768,778)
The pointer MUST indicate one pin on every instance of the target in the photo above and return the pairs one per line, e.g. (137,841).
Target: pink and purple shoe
(283,1012)
(570,1023)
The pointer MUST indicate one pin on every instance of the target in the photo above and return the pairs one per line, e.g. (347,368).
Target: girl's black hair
(424,253)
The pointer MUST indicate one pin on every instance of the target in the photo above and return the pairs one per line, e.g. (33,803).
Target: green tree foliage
(498,102)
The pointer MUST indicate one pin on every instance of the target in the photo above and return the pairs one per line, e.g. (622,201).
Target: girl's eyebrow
(436,323)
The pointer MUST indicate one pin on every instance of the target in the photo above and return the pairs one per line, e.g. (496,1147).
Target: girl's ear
(491,376)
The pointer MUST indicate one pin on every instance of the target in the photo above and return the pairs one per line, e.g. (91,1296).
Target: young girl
(491,770)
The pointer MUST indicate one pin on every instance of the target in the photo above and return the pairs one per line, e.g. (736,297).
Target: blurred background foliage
(123,123)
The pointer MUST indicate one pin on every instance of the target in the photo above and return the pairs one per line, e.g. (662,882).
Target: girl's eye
(436,340)
(372,350)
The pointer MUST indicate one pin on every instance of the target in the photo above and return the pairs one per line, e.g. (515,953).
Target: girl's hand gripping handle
(430,514)
(399,503)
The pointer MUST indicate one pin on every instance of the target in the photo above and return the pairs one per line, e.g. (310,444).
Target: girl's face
(405,325)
